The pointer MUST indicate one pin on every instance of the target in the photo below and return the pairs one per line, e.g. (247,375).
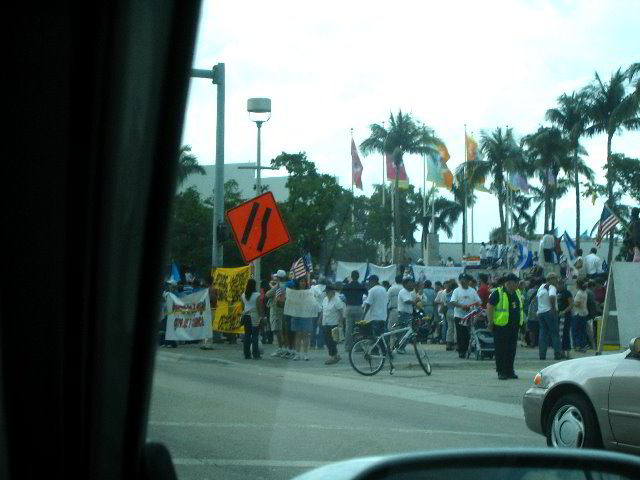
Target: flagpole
(383,179)
(433,207)
(472,240)
(464,213)
(424,206)
(352,194)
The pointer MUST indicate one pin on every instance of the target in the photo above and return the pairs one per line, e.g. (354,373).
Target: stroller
(481,339)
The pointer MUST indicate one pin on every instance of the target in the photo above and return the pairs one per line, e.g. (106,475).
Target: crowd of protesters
(551,314)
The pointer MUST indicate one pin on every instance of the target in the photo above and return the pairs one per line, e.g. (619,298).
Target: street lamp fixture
(259,112)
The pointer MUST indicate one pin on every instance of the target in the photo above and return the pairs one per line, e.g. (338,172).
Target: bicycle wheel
(423,358)
(365,357)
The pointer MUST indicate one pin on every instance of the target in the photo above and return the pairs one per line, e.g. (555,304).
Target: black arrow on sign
(263,233)
(247,227)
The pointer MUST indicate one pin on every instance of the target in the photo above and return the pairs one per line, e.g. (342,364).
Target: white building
(245,177)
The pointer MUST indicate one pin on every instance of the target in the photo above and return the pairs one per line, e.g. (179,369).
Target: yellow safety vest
(501,310)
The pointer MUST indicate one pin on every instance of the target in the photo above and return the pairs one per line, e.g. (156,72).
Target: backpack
(280,297)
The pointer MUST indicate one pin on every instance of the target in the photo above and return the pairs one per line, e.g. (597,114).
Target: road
(225,417)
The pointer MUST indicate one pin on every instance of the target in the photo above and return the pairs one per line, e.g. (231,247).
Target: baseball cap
(281,274)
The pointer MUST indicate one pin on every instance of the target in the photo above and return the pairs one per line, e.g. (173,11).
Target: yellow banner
(229,284)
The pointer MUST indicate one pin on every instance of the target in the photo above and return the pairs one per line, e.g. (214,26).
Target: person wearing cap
(548,317)
(332,315)
(464,298)
(275,295)
(505,313)
(375,305)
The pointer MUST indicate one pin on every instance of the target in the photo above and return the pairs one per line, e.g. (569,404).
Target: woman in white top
(251,316)
(332,316)
(580,316)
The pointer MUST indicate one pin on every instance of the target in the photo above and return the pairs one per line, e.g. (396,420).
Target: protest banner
(344,270)
(229,284)
(188,317)
(301,303)
(384,273)
(435,274)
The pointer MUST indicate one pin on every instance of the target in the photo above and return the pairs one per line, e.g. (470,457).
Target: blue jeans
(549,330)
(579,331)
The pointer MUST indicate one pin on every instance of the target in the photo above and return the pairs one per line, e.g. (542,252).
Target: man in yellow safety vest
(505,312)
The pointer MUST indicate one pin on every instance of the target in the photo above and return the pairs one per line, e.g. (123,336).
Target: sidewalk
(224,353)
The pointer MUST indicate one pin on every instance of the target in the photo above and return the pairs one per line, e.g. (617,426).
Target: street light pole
(216,74)
(262,108)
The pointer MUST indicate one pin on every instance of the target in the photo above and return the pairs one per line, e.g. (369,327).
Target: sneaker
(295,357)
(306,358)
(277,353)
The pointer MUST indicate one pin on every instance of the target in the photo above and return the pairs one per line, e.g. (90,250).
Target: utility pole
(216,75)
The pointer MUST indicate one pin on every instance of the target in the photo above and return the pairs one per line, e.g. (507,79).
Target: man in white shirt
(483,255)
(463,299)
(375,306)
(548,317)
(332,313)
(392,301)
(593,264)
(406,302)
(547,246)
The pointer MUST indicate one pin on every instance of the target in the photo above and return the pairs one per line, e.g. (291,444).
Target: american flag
(302,266)
(607,221)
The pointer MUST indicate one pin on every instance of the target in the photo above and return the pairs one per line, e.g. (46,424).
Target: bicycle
(368,355)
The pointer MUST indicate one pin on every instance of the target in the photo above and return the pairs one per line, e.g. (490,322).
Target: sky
(333,66)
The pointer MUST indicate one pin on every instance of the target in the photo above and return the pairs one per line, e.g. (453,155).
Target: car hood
(580,368)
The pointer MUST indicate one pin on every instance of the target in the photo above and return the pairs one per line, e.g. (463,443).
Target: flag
(525,256)
(302,266)
(356,166)
(444,153)
(403,180)
(585,235)
(570,244)
(438,172)
(607,221)
(518,182)
(175,273)
(434,168)
(472,146)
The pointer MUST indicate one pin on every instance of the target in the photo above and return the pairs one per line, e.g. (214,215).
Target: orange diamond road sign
(258,227)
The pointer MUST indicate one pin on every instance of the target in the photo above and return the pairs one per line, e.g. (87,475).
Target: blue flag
(175,273)
(570,244)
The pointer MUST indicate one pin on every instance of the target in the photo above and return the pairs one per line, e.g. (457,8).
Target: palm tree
(501,155)
(188,164)
(547,150)
(609,111)
(403,135)
(570,117)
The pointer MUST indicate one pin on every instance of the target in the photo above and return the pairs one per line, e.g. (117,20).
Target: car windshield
(389,217)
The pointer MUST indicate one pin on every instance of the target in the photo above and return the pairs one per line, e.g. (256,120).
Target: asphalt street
(225,417)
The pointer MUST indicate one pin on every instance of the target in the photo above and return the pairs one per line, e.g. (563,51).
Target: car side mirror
(634,346)
(484,464)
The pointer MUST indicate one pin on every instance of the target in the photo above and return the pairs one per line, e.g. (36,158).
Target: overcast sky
(335,65)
